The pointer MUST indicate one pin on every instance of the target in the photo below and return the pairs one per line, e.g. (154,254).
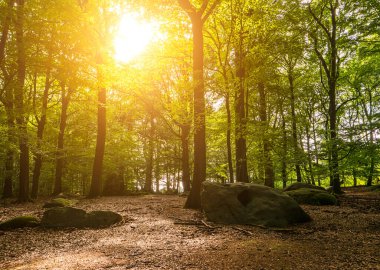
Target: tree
(21,121)
(198,17)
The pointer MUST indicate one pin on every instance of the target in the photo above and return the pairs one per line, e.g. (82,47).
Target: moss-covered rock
(312,196)
(101,219)
(299,185)
(19,222)
(60,217)
(64,217)
(60,202)
(243,203)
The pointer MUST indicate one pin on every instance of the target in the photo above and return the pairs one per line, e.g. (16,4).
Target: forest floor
(157,233)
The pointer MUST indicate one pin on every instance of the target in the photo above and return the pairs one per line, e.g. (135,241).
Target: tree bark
(97,169)
(21,120)
(185,157)
(60,156)
(294,123)
(241,124)
(268,165)
(228,137)
(149,159)
(40,132)
(198,18)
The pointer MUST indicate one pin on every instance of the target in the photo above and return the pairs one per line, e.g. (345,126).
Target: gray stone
(78,218)
(244,203)
(312,196)
(64,217)
(101,219)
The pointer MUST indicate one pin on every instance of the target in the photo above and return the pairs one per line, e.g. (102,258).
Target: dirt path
(159,234)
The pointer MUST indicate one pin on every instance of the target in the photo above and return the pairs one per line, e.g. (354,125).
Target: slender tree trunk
(9,160)
(157,168)
(194,198)
(268,165)
(60,156)
(310,163)
(19,105)
(198,18)
(228,136)
(284,149)
(294,123)
(40,132)
(149,158)
(241,129)
(97,169)
(185,157)
(372,158)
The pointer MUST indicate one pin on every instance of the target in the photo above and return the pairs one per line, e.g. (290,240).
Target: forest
(137,99)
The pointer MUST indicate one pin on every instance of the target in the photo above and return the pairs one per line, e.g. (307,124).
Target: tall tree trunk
(97,169)
(241,125)
(294,123)
(19,105)
(60,156)
(330,64)
(9,107)
(310,163)
(198,18)
(228,136)
(157,168)
(149,158)
(199,174)
(284,148)
(268,165)
(40,133)
(185,133)
(9,160)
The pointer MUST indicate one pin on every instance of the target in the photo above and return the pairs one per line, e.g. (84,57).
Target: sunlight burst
(132,37)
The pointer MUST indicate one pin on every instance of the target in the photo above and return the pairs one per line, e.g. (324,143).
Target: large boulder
(244,203)
(64,217)
(299,185)
(312,196)
(101,219)
(19,222)
(78,218)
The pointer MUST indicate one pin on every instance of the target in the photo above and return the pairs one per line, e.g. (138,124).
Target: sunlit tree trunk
(40,133)
(19,105)
(284,148)
(228,137)
(9,107)
(198,18)
(97,168)
(185,160)
(267,160)
(60,155)
(149,158)
(294,121)
(330,63)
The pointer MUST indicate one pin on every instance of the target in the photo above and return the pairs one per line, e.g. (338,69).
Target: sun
(132,37)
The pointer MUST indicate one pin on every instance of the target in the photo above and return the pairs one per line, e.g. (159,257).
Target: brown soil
(157,233)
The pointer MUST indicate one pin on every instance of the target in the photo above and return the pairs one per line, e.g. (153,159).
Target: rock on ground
(78,218)
(299,185)
(244,203)
(19,222)
(312,196)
